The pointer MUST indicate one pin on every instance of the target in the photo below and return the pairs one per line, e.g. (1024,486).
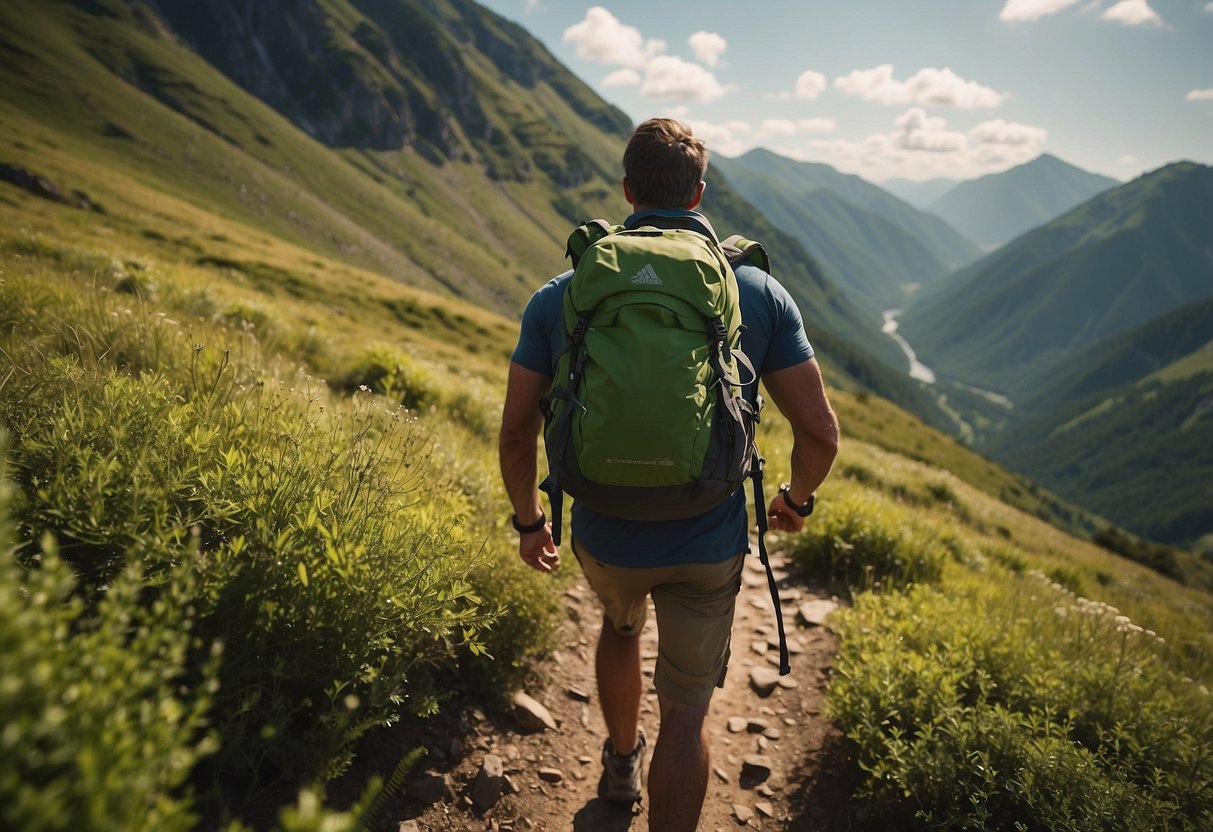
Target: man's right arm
(799,393)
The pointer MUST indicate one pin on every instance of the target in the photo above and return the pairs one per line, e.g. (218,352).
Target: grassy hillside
(995,209)
(1114,263)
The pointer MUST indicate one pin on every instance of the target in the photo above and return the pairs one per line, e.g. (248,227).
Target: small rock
(765,808)
(756,765)
(408,826)
(756,724)
(585,759)
(772,733)
(788,683)
(763,743)
(531,715)
(428,789)
(551,775)
(744,814)
(578,694)
(787,596)
(813,613)
(510,784)
(486,788)
(721,773)
(765,790)
(737,724)
(764,680)
(759,647)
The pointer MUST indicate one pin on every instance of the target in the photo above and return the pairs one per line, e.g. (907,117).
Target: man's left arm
(521,422)
(799,393)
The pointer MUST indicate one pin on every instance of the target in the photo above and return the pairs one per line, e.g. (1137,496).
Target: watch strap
(530,528)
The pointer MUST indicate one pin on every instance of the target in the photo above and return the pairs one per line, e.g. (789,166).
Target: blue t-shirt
(773,338)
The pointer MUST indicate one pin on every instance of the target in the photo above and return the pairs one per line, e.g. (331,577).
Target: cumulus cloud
(1015,10)
(922,146)
(1199,95)
(928,87)
(622,78)
(731,138)
(792,127)
(1008,133)
(708,47)
(670,77)
(1133,13)
(918,131)
(601,37)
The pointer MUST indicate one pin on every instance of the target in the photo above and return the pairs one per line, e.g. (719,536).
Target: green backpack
(646,418)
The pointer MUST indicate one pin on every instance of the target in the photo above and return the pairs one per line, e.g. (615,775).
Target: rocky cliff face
(381,74)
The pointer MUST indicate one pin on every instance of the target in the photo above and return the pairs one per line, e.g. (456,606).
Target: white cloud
(929,87)
(1132,13)
(729,139)
(1199,95)
(1032,9)
(1209,7)
(1008,133)
(809,85)
(793,127)
(918,131)
(601,37)
(708,47)
(670,77)
(921,146)
(622,78)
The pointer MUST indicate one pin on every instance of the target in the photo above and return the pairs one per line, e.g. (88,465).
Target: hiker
(692,565)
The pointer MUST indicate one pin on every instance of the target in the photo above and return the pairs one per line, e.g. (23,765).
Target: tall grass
(980,693)
(172,469)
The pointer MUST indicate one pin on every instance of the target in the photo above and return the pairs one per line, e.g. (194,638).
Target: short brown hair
(664,164)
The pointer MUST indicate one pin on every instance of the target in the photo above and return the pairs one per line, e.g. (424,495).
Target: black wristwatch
(803,511)
(530,528)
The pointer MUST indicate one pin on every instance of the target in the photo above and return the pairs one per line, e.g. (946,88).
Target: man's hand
(781,518)
(538,551)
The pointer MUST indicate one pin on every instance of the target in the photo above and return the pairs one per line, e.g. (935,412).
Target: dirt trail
(550,777)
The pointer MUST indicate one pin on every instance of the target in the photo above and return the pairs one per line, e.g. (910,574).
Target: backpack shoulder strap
(741,251)
(584,236)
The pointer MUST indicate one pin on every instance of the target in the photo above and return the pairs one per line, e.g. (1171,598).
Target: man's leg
(678,772)
(617,664)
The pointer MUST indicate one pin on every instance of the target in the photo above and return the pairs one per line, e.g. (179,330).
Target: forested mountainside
(1110,265)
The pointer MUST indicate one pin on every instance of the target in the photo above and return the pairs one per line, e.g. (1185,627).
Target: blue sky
(894,88)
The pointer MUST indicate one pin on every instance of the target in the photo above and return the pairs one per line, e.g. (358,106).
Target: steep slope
(941,239)
(997,208)
(1014,318)
(1128,432)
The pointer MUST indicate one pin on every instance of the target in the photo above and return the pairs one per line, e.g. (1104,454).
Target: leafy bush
(1015,705)
(861,542)
(393,374)
(100,728)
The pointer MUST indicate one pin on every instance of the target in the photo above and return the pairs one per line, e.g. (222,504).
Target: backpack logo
(647,276)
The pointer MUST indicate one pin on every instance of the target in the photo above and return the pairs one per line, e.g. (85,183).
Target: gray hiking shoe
(621,776)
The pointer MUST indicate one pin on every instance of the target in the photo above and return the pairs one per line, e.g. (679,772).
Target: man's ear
(698,195)
(627,192)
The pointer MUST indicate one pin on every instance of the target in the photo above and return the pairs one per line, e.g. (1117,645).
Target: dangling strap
(760,507)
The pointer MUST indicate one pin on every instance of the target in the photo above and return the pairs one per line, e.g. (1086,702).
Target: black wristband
(531,528)
(804,510)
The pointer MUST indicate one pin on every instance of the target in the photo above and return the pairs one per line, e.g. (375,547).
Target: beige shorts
(694,604)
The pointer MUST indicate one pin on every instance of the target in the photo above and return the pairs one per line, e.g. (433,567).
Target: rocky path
(777,763)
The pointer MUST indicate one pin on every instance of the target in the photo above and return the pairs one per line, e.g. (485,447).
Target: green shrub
(391,373)
(861,542)
(100,728)
(1016,705)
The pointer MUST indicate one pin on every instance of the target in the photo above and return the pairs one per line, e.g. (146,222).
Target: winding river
(918,370)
